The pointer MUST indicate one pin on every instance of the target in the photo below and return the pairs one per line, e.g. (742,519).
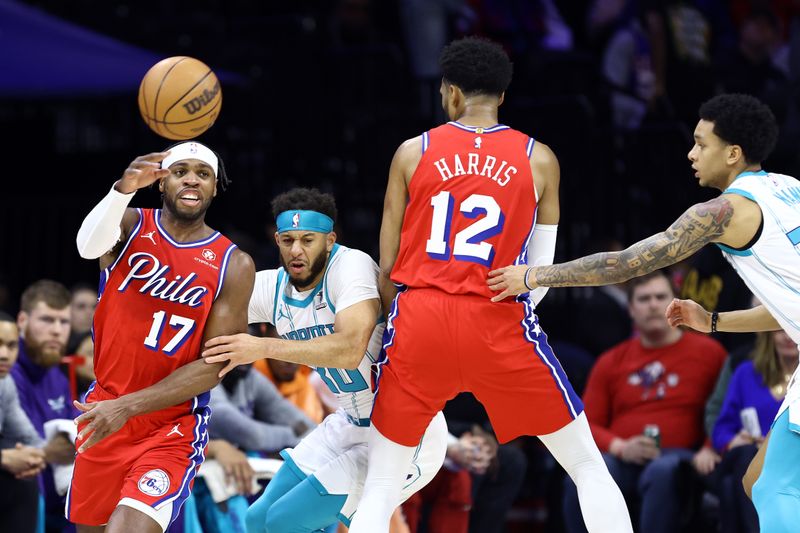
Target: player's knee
(256,516)
(277,521)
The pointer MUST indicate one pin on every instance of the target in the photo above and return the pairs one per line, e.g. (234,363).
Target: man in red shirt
(662,377)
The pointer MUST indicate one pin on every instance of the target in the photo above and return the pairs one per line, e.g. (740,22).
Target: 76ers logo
(154,483)
(209,255)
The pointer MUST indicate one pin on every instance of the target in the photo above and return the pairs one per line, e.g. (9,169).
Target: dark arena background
(320,93)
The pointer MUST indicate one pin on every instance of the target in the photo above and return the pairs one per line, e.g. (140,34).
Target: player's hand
(239,349)
(688,313)
(101,419)
(59,450)
(511,280)
(705,460)
(143,171)
(23,461)
(639,450)
(235,464)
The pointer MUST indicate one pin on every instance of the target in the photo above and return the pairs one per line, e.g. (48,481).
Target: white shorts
(335,453)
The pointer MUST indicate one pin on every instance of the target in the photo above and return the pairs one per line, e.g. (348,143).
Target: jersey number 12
(470,242)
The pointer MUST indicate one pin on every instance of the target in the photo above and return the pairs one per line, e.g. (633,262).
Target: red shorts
(437,345)
(149,464)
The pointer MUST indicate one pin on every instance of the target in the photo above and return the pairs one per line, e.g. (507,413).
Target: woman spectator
(754,395)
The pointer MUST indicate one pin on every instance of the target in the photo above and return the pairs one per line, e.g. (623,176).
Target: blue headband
(298,220)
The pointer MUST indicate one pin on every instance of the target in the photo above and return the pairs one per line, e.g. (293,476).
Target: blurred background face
(45,332)
(9,347)
(648,306)
(83,303)
(281,370)
(786,349)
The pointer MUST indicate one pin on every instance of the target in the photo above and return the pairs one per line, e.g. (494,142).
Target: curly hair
(305,199)
(476,66)
(743,120)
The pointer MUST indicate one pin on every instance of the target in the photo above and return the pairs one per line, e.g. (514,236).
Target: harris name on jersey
(477,165)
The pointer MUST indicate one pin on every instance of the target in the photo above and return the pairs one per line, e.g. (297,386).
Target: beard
(171,205)
(317,266)
(42,355)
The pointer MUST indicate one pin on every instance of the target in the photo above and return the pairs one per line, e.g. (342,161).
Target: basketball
(180,97)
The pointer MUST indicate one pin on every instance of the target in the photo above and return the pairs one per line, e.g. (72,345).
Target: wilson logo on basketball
(199,102)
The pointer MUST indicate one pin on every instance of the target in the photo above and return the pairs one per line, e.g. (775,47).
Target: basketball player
(462,197)
(756,224)
(324,302)
(168,282)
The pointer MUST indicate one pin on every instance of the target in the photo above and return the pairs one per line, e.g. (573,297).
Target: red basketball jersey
(154,302)
(472,207)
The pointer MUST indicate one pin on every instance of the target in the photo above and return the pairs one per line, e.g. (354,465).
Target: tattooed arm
(698,226)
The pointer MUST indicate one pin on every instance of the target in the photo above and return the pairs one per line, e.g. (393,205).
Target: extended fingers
(88,428)
(94,438)
(216,341)
(230,366)
(502,296)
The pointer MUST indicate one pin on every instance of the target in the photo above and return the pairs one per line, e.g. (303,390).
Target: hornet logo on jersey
(295,220)
(478,142)
(149,236)
(154,483)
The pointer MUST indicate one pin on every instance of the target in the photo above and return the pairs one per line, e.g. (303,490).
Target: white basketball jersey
(351,277)
(771,266)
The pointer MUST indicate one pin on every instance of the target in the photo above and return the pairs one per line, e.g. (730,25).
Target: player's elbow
(352,360)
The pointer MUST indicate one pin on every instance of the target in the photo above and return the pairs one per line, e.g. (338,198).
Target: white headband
(191,150)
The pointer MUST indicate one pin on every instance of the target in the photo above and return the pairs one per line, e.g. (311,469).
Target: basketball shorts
(334,456)
(149,465)
(437,345)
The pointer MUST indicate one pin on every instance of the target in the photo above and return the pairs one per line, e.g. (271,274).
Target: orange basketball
(180,97)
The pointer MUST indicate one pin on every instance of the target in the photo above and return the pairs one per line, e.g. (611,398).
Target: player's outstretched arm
(344,348)
(228,316)
(404,163)
(691,314)
(699,225)
(110,222)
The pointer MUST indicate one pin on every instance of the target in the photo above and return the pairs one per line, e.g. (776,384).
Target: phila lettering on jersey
(153,306)
(770,266)
(468,181)
(351,277)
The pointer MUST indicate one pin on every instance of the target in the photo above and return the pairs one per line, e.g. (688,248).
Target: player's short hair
(743,120)
(303,198)
(476,66)
(222,175)
(647,278)
(52,293)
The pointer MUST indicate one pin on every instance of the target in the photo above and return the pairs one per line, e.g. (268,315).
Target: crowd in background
(331,88)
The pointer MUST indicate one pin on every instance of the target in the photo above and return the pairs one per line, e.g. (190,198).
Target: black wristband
(714,318)
(525,279)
